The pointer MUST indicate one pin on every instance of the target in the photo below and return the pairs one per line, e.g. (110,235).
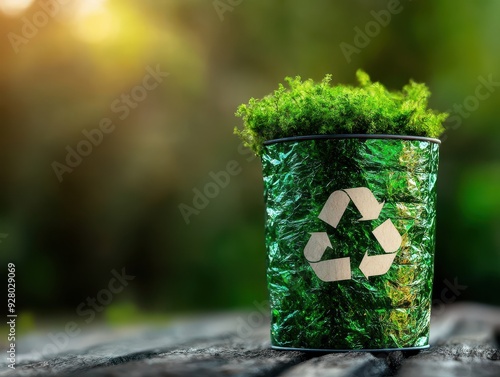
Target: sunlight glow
(89,7)
(95,22)
(14,7)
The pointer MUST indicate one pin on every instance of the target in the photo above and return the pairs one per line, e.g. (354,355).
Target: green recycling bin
(350,237)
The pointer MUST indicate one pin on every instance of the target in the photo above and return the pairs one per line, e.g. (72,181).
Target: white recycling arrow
(328,270)
(316,246)
(333,269)
(389,238)
(365,202)
(386,234)
(375,265)
(334,208)
(337,203)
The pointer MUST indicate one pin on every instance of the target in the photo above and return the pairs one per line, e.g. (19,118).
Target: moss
(309,108)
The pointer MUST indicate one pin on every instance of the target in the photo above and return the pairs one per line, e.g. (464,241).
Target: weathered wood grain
(341,364)
(465,343)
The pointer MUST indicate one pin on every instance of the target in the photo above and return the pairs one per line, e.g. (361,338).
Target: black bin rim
(351,136)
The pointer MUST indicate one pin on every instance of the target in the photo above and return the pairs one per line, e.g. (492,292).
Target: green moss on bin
(309,108)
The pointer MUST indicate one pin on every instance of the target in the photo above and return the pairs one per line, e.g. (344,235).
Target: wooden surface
(465,342)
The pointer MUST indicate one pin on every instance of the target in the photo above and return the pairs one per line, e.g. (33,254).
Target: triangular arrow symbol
(333,269)
(316,246)
(388,236)
(365,202)
(334,208)
(376,264)
(339,268)
(328,270)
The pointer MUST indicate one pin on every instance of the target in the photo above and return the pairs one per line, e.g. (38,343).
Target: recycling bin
(350,237)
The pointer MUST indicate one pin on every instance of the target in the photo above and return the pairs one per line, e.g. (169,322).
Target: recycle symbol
(340,268)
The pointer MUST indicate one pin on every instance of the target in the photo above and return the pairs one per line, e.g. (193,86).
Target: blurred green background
(119,208)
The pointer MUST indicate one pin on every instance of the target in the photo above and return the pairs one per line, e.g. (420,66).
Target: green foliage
(308,108)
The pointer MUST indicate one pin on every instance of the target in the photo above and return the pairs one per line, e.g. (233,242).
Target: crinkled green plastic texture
(379,312)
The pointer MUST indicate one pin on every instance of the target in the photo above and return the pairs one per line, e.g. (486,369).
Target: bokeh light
(90,6)
(14,7)
(96,22)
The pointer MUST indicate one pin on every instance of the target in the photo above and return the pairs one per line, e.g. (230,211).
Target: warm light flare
(95,22)
(89,7)
(14,7)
